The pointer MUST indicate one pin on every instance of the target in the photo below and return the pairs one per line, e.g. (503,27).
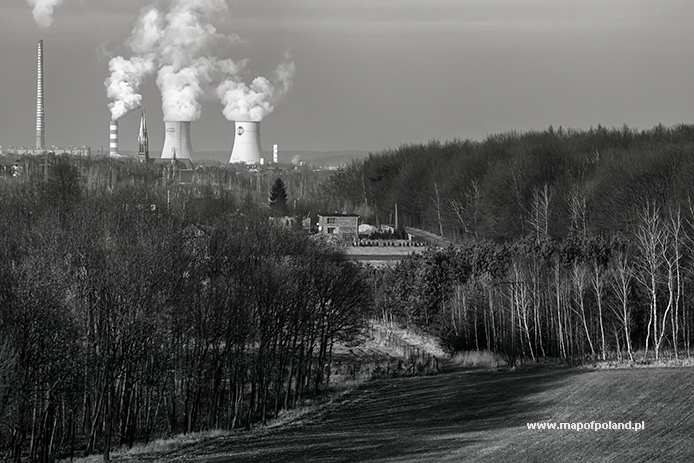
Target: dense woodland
(135,310)
(569,244)
(488,189)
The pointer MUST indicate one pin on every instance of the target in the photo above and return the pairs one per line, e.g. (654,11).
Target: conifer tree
(278,198)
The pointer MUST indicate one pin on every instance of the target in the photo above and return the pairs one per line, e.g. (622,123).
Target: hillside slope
(468,416)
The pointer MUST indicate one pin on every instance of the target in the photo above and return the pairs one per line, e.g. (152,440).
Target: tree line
(623,296)
(138,312)
(488,189)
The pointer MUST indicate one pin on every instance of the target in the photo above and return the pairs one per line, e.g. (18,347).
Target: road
(470,416)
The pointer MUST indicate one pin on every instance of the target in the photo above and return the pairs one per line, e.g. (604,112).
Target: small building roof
(329,214)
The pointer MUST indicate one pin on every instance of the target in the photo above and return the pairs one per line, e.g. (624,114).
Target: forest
(140,308)
(569,245)
(487,189)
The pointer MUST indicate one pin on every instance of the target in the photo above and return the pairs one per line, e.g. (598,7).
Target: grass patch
(478,359)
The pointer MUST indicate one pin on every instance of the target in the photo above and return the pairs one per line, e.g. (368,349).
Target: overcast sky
(373,74)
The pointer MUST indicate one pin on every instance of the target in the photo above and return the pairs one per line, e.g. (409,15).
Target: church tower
(143,140)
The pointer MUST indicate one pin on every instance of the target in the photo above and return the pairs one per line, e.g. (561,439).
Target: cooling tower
(177,142)
(246,143)
(40,113)
(113,139)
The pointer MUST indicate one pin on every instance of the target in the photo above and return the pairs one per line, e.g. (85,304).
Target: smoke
(124,84)
(181,89)
(254,102)
(186,54)
(43,11)
(183,45)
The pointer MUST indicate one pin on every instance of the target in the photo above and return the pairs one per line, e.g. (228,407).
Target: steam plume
(127,74)
(179,43)
(187,65)
(124,84)
(254,102)
(43,11)
(183,44)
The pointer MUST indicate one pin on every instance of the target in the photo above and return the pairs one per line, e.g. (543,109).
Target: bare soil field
(480,415)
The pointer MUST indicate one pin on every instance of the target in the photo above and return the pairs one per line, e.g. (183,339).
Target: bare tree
(650,240)
(598,282)
(579,275)
(468,209)
(539,212)
(578,212)
(622,274)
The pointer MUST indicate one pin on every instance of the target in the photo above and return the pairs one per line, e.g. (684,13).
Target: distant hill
(495,188)
(318,158)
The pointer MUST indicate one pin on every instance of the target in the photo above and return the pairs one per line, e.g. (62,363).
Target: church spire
(143,139)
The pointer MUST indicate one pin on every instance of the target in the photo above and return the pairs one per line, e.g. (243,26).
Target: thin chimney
(40,110)
(113,146)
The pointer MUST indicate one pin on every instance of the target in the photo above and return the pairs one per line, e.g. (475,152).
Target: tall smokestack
(177,142)
(113,146)
(40,112)
(275,154)
(246,143)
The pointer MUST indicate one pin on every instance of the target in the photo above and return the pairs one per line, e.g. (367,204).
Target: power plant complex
(177,147)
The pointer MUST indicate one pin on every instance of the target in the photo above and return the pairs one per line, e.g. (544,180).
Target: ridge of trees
(489,189)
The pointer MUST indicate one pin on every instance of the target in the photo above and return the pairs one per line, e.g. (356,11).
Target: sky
(376,74)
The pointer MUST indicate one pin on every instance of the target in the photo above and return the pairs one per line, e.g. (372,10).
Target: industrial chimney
(275,154)
(113,140)
(177,144)
(40,112)
(246,143)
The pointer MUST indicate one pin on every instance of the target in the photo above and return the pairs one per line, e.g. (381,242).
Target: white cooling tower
(177,143)
(246,143)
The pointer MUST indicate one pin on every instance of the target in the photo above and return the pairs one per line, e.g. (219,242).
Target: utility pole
(438,209)
(397,222)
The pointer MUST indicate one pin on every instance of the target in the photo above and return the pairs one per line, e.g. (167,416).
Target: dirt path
(472,416)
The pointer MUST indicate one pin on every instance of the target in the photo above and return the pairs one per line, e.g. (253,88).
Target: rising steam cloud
(254,102)
(43,11)
(124,84)
(182,45)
